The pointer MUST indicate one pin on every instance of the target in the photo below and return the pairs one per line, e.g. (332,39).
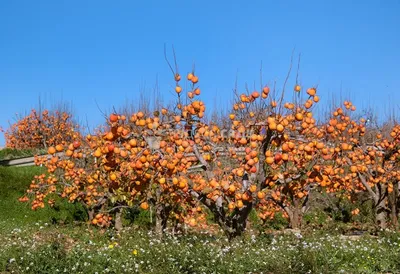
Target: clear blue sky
(107,51)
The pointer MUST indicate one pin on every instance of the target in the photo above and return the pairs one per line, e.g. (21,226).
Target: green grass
(49,241)
(14,181)
(80,249)
(10,153)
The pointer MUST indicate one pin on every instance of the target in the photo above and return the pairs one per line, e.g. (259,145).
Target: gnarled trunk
(296,211)
(393,200)
(233,224)
(295,220)
(380,208)
(162,214)
(90,213)
(381,215)
(295,214)
(118,219)
(238,222)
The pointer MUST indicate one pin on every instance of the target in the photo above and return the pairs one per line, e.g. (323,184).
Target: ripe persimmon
(144,205)
(113,117)
(311,91)
(255,94)
(178,89)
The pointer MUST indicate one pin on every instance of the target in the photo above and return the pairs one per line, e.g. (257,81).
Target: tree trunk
(381,212)
(161,219)
(159,227)
(118,219)
(396,190)
(380,216)
(90,214)
(393,206)
(239,221)
(295,214)
(295,222)
(295,217)
(393,216)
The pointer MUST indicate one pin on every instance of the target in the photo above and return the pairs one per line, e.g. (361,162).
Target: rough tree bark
(379,196)
(393,200)
(162,213)
(118,219)
(296,212)
(381,214)
(90,213)
(381,210)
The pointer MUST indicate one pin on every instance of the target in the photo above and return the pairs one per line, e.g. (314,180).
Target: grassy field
(58,241)
(9,153)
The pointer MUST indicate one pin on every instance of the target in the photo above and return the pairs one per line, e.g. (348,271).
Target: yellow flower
(134,252)
(111,246)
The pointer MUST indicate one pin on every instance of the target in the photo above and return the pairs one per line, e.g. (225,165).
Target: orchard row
(183,167)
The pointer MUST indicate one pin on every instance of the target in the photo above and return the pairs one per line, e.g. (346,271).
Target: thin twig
(166,59)
(286,80)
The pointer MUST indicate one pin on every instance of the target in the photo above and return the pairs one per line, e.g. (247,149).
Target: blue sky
(102,53)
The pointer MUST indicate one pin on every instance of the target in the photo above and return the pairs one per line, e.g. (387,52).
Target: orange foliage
(41,130)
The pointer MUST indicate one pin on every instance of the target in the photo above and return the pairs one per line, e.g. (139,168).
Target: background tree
(41,129)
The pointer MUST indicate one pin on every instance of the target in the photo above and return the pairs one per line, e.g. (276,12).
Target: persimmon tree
(277,151)
(268,155)
(41,129)
(294,158)
(136,161)
(365,159)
